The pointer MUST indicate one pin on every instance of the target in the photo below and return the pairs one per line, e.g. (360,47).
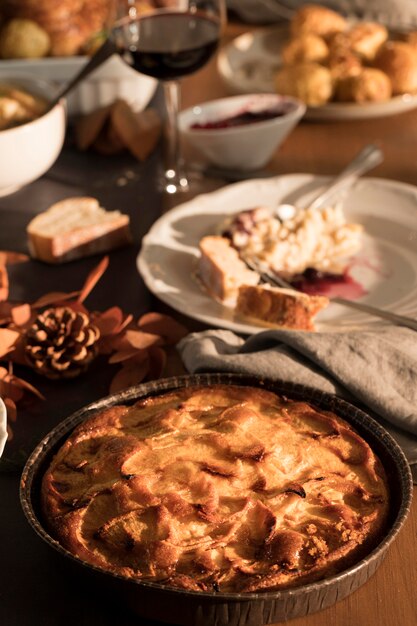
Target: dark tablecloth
(32,591)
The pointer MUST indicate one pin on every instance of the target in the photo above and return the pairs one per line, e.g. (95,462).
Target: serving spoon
(370,156)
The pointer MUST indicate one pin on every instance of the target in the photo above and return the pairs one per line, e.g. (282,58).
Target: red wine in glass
(168,44)
(171,45)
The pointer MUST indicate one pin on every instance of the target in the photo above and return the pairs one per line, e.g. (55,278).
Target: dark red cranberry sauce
(315,282)
(245,117)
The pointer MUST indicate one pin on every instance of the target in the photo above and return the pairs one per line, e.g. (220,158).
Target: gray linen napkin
(376,369)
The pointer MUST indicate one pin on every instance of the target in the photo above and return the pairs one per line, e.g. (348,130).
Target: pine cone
(61,343)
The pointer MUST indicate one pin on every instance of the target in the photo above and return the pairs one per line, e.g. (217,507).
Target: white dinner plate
(386,266)
(249,62)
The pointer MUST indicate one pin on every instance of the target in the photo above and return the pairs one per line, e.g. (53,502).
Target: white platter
(248,63)
(386,266)
(114,79)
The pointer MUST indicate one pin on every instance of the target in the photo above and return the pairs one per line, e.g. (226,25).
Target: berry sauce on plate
(315,282)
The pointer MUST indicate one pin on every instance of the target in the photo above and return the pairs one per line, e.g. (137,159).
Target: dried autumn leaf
(8,389)
(125,355)
(12,386)
(23,384)
(157,362)
(4,283)
(93,278)
(11,409)
(89,126)
(111,324)
(54,298)
(9,432)
(8,339)
(114,343)
(21,314)
(141,340)
(110,321)
(76,306)
(108,141)
(109,344)
(128,319)
(163,325)
(5,313)
(140,132)
(132,373)
(8,258)
(18,354)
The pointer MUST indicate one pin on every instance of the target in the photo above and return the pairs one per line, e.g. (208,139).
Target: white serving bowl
(248,146)
(114,79)
(3,426)
(28,151)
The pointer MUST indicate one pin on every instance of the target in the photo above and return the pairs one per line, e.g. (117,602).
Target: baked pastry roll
(316,19)
(23,39)
(217,488)
(341,60)
(411,38)
(70,24)
(343,63)
(307,47)
(310,82)
(366,38)
(398,60)
(369,85)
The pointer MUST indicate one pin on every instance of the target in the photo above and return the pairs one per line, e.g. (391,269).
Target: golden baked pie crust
(225,488)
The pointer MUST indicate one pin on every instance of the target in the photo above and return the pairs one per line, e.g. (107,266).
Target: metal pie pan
(192,608)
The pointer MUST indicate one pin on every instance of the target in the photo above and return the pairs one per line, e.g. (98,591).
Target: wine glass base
(185,186)
(175,182)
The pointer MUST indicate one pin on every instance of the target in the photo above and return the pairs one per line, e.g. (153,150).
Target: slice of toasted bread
(74,228)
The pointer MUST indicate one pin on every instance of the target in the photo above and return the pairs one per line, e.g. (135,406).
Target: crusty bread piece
(221,270)
(74,228)
(275,306)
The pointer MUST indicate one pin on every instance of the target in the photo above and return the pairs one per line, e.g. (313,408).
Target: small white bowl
(29,150)
(247,146)
(3,426)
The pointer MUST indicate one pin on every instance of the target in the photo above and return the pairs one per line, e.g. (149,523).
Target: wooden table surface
(32,591)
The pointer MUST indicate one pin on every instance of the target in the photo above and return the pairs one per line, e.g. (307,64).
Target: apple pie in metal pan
(220,498)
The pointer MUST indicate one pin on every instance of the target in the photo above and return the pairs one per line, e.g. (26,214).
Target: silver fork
(267,276)
(370,156)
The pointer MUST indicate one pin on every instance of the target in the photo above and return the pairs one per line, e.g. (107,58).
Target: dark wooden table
(35,588)
(31,593)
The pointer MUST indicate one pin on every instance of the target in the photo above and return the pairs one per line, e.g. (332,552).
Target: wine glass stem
(175,177)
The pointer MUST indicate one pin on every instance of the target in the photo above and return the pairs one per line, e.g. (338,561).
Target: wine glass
(168,39)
